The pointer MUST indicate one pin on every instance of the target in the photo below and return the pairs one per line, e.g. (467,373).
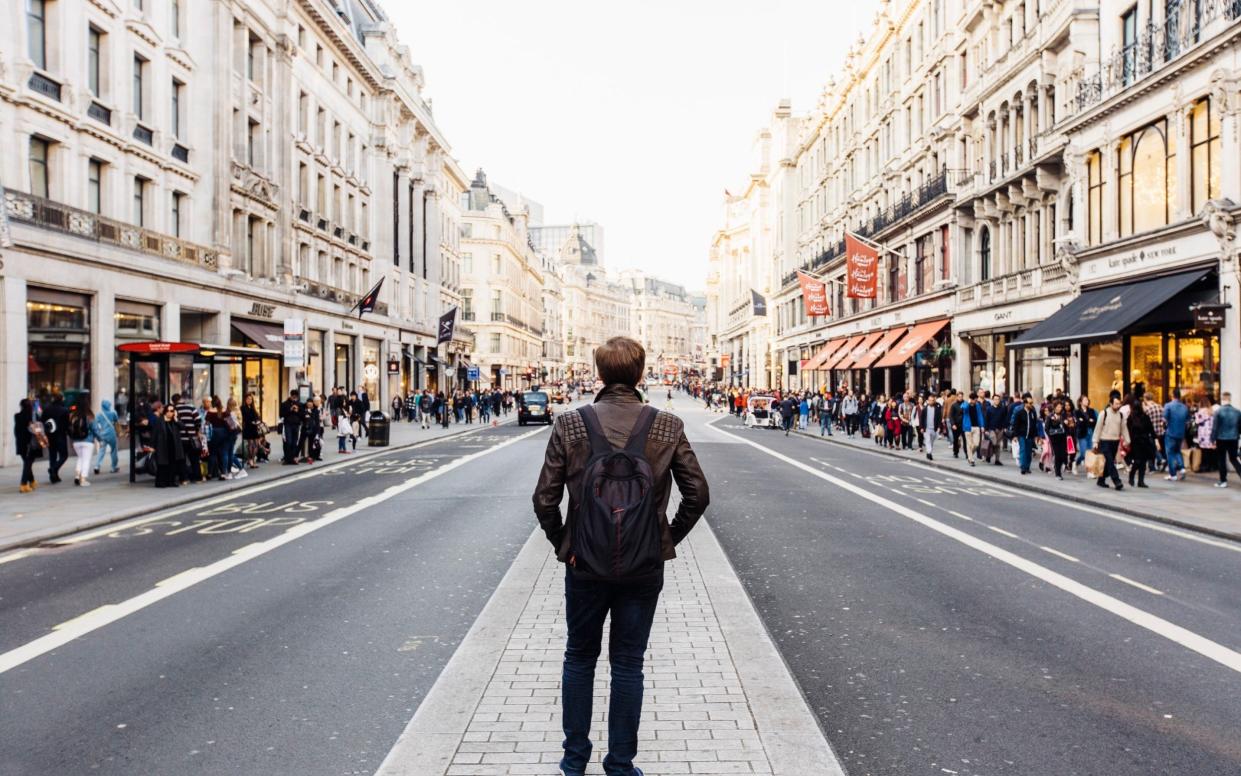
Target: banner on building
(758,302)
(861,268)
(367,303)
(448,322)
(295,342)
(814,294)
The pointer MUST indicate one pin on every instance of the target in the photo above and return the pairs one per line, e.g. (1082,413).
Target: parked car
(535,407)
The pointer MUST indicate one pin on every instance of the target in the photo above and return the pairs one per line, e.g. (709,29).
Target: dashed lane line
(1059,554)
(1211,650)
(83,624)
(1138,585)
(1002,532)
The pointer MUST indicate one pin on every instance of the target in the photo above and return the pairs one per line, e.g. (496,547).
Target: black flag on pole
(758,302)
(448,322)
(367,303)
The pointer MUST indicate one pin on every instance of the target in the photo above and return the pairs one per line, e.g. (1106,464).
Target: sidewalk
(718,699)
(1192,503)
(57,510)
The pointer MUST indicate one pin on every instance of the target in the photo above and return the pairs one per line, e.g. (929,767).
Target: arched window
(984,254)
(1147,175)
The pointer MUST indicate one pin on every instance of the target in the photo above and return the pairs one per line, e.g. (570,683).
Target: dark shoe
(929,457)
(1142,485)
(1101,483)
(1120,486)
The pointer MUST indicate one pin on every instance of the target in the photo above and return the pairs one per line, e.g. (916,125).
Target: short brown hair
(621,360)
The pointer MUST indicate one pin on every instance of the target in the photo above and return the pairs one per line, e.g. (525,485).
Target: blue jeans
(104,447)
(587,604)
(1084,444)
(1172,449)
(825,424)
(1024,446)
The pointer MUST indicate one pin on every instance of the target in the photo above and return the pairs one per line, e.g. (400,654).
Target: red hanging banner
(861,268)
(814,293)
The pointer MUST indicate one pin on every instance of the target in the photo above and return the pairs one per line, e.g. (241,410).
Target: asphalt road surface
(1027,636)
(936,624)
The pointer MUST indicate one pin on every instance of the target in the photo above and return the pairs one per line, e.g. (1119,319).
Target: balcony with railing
(1188,23)
(918,199)
(43,213)
(1015,286)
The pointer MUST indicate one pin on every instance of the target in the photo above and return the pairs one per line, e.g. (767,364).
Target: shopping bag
(1070,446)
(1195,459)
(1095,463)
(984,448)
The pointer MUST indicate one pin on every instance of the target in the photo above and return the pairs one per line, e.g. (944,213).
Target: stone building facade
(273,165)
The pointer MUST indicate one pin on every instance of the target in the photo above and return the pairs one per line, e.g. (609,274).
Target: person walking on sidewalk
(1160,427)
(993,419)
(105,433)
(290,427)
(1175,420)
(189,429)
(1025,431)
(971,426)
(1224,431)
(932,418)
(1058,426)
(1109,432)
(578,458)
(787,410)
(848,408)
(1084,420)
(31,441)
(1141,441)
(82,436)
(56,426)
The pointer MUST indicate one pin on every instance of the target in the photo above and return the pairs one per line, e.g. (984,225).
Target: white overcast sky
(633,113)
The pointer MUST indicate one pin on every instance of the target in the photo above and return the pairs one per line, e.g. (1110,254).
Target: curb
(292,471)
(1077,499)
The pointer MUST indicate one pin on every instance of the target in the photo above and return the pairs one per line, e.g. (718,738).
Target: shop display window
(1195,367)
(1105,371)
(1146,365)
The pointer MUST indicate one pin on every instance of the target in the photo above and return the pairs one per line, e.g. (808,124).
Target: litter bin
(377,429)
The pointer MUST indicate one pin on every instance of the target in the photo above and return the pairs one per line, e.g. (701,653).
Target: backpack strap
(641,429)
(599,443)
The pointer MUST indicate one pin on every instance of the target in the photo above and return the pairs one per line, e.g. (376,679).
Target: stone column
(403,250)
(1111,199)
(14,350)
(329,361)
(103,348)
(432,225)
(170,322)
(418,228)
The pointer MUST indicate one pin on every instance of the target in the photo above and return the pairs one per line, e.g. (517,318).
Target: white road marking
(958,514)
(924,501)
(12,556)
(79,626)
(236,494)
(1138,585)
(1009,534)
(1059,554)
(1209,649)
(1136,521)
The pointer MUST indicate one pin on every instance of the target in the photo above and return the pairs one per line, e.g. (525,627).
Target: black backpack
(617,533)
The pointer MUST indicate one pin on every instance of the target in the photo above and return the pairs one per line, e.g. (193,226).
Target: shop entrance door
(1195,366)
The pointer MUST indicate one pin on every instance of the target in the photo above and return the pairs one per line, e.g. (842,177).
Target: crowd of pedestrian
(1059,435)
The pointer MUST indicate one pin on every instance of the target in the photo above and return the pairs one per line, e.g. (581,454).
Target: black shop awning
(265,335)
(1105,313)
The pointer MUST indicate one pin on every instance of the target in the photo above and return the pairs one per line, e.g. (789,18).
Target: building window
(39,175)
(252,143)
(178,200)
(1204,143)
(139,72)
(495,342)
(1129,43)
(252,51)
(140,199)
(984,253)
(36,32)
(1094,198)
(176,107)
(303,110)
(248,258)
(94,186)
(94,47)
(1146,162)
(175,11)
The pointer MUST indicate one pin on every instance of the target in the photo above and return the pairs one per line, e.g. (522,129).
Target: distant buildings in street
(1053,189)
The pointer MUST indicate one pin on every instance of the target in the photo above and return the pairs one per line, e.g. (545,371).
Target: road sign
(472,373)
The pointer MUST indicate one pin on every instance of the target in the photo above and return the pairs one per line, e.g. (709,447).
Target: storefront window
(344,362)
(314,361)
(1041,373)
(58,333)
(1146,365)
(1195,367)
(370,368)
(989,363)
(134,322)
(1105,371)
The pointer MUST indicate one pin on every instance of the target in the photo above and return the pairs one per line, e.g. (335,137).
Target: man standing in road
(580,442)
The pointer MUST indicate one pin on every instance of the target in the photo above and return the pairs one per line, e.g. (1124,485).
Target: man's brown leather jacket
(667,450)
